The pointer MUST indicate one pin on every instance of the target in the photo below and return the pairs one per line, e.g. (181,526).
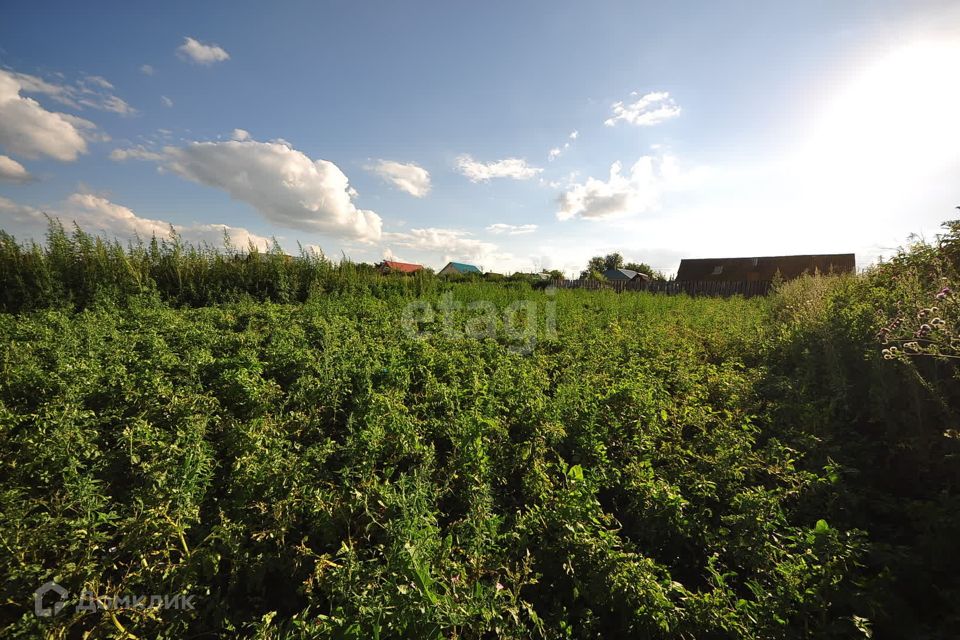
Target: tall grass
(76,270)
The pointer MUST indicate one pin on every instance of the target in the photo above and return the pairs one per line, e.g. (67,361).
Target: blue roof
(464,268)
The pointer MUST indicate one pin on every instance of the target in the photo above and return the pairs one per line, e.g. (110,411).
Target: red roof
(403,267)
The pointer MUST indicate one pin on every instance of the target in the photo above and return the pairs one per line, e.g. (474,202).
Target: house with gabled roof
(392,266)
(626,275)
(458,268)
(763,269)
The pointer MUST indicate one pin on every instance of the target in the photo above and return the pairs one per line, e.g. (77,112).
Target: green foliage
(643,267)
(599,264)
(278,443)
(882,423)
(312,471)
(77,270)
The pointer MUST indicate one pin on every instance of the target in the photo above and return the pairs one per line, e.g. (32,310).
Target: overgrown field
(378,460)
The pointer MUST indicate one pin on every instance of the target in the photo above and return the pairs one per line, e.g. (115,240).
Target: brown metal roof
(763,268)
(403,267)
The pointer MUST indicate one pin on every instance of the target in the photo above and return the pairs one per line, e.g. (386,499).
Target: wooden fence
(744,288)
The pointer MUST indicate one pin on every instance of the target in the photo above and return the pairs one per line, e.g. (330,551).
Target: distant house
(390,266)
(625,274)
(458,268)
(763,268)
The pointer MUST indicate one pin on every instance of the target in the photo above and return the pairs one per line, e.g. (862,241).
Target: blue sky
(423,131)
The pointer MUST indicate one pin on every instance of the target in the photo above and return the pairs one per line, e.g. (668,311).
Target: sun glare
(898,118)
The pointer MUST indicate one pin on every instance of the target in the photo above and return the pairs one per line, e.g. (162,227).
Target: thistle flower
(938,323)
(943,293)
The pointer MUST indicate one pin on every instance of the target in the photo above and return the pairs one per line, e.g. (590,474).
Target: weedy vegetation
(267,434)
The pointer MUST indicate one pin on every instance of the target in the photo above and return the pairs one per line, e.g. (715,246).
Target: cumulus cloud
(195,51)
(240,135)
(286,186)
(511,229)
(647,110)
(96,214)
(146,70)
(515,168)
(13,171)
(27,129)
(167,102)
(637,191)
(574,134)
(451,244)
(19,217)
(388,254)
(409,177)
(138,152)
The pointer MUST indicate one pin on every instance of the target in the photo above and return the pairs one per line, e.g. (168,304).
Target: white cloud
(409,177)
(146,70)
(647,110)
(89,91)
(32,84)
(167,102)
(200,53)
(558,151)
(639,191)
(138,152)
(99,81)
(240,135)
(98,215)
(13,171)
(113,104)
(511,229)
(29,130)
(515,168)
(563,183)
(283,184)
(450,244)
(19,217)
(94,212)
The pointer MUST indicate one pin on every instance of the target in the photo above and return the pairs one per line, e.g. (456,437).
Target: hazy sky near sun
(512,135)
